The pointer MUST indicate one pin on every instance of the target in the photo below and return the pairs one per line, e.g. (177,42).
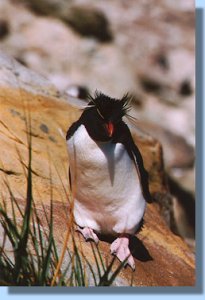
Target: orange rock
(162,258)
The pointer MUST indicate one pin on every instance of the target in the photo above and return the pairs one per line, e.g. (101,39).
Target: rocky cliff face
(162,258)
(146,48)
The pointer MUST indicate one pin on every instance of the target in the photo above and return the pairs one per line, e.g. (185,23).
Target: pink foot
(88,234)
(120,248)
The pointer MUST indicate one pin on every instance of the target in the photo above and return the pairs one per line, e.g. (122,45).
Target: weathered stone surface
(67,58)
(4,29)
(85,20)
(155,39)
(89,22)
(162,259)
(153,62)
(15,75)
(178,154)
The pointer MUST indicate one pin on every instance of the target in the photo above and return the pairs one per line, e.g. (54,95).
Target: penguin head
(103,115)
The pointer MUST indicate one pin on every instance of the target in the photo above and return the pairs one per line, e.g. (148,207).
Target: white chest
(105,178)
(99,164)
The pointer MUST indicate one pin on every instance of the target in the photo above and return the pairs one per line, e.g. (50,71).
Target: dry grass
(33,258)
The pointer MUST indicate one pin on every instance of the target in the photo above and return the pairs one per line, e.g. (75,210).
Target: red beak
(110,128)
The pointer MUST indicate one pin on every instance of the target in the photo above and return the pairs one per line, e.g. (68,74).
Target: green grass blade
(92,272)
(9,227)
(117,271)
(104,279)
(21,254)
(96,260)
(101,259)
(80,276)
(13,199)
(46,261)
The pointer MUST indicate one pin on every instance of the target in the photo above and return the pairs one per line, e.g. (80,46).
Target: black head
(103,114)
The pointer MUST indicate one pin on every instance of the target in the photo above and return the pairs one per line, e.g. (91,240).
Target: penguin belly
(107,192)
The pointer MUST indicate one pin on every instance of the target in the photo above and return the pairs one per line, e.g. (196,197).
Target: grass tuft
(29,253)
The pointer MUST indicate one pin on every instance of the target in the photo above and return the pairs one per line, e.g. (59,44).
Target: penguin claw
(88,234)
(120,249)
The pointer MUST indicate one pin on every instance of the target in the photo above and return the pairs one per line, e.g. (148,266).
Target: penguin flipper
(124,136)
(72,129)
(142,173)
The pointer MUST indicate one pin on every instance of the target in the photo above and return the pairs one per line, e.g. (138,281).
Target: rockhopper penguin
(107,172)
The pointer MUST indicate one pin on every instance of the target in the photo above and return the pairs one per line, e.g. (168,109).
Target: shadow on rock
(137,248)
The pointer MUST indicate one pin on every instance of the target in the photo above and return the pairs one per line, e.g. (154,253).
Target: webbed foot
(120,248)
(88,234)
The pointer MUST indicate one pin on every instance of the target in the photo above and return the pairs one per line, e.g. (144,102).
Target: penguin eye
(99,113)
